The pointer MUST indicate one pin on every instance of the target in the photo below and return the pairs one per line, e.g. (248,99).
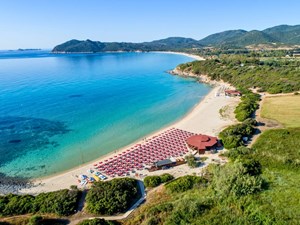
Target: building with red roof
(202,143)
(232,93)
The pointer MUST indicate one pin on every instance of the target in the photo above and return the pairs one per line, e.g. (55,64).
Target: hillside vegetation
(61,203)
(273,75)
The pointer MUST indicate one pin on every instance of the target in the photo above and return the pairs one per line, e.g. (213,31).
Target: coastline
(208,107)
(206,111)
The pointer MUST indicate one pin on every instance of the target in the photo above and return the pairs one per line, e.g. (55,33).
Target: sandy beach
(197,57)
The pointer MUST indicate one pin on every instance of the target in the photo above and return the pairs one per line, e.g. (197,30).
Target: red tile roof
(201,142)
(233,92)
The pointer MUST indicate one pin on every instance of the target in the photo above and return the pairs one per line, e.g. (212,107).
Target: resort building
(202,143)
(232,93)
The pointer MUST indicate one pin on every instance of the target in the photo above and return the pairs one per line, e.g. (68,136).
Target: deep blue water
(59,111)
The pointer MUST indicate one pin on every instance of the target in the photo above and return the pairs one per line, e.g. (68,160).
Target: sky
(46,23)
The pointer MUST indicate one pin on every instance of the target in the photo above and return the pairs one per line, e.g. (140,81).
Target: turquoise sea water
(59,111)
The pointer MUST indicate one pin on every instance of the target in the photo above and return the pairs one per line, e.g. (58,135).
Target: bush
(235,153)
(191,161)
(232,136)
(184,183)
(247,107)
(251,165)
(111,197)
(154,181)
(166,177)
(62,203)
(234,179)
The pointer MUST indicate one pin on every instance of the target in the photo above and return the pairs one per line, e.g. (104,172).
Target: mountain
(222,37)
(282,35)
(168,44)
(285,33)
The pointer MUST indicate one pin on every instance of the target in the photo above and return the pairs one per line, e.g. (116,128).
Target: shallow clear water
(59,111)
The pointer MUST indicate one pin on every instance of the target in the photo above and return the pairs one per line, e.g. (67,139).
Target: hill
(276,36)
(282,34)
(285,33)
(168,44)
(222,37)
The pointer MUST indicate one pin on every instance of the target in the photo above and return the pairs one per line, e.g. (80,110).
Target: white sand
(197,57)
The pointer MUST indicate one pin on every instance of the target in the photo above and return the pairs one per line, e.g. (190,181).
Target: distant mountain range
(279,35)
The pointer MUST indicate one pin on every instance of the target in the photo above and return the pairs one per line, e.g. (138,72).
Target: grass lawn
(284,109)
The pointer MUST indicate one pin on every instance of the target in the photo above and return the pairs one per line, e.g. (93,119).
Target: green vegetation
(232,136)
(111,197)
(279,153)
(191,161)
(98,222)
(34,220)
(284,109)
(154,181)
(216,199)
(274,75)
(185,183)
(62,203)
(247,106)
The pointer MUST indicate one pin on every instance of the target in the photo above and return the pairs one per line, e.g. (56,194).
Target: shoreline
(197,57)
(65,179)
(209,103)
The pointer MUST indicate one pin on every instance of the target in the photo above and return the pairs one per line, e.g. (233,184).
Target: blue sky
(46,23)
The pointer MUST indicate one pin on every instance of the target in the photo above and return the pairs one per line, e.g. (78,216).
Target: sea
(59,111)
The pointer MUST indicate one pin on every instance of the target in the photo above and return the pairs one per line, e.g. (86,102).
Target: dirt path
(264,123)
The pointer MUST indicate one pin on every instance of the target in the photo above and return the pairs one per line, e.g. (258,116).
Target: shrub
(235,153)
(251,165)
(191,161)
(184,183)
(247,106)
(234,179)
(152,181)
(166,177)
(114,196)
(232,136)
(62,203)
